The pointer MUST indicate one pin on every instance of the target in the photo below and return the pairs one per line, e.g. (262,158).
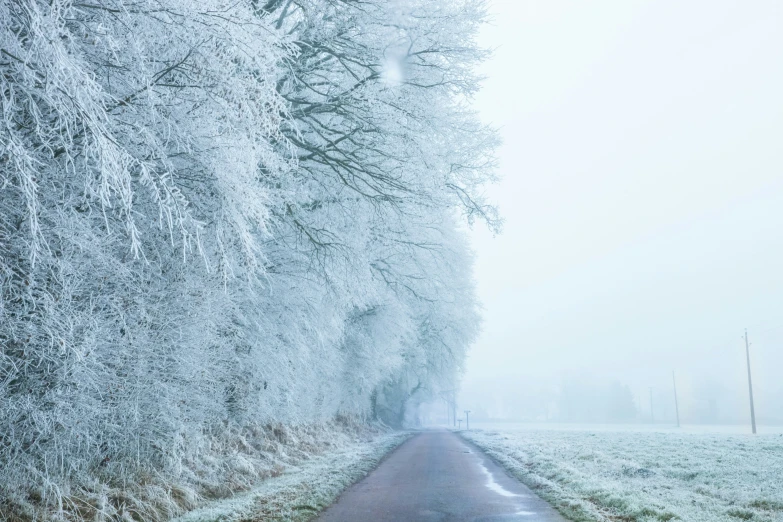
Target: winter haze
(643,207)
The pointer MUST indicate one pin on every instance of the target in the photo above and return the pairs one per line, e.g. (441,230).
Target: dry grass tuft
(235,460)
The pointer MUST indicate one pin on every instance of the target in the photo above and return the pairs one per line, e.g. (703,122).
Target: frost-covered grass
(646,477)
(255,473)
(303,491)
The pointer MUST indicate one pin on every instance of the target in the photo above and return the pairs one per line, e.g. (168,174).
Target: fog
(643,196)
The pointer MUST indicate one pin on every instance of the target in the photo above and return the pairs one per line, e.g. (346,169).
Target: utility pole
(652,415)
(467,419)
(750,384)
(460,424)
(676,405)
(454,406)
(638,399)
(450,398)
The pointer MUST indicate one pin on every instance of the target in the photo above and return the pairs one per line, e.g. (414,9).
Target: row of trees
(222,212)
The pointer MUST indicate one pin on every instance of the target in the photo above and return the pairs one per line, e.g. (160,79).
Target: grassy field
(646,476)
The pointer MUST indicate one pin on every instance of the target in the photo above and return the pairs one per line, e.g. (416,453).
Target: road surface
(434,476)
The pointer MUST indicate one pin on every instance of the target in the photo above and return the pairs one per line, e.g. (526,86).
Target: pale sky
(642,192)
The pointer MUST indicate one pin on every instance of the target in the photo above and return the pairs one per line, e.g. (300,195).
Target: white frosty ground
(303,491)
(646,477)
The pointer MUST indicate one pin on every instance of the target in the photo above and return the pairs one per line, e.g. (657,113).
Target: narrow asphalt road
(435,476)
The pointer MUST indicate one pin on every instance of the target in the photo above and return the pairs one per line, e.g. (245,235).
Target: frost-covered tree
(222,214)
(386,147)
(130,144)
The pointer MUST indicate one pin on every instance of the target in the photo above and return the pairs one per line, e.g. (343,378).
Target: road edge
(301,494)
(572,512)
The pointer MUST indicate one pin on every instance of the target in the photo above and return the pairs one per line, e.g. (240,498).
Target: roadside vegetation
(301,491)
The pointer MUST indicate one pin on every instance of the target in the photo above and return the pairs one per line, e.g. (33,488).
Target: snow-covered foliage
(596,476)
(215,214)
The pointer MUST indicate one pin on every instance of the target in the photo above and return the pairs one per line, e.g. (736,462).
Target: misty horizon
(641,190)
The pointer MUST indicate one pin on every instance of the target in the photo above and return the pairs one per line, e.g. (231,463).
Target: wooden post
(750,385)
(454,406)
(676,405)
(652,415)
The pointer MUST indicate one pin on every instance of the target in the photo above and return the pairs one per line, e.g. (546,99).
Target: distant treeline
(595,400)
